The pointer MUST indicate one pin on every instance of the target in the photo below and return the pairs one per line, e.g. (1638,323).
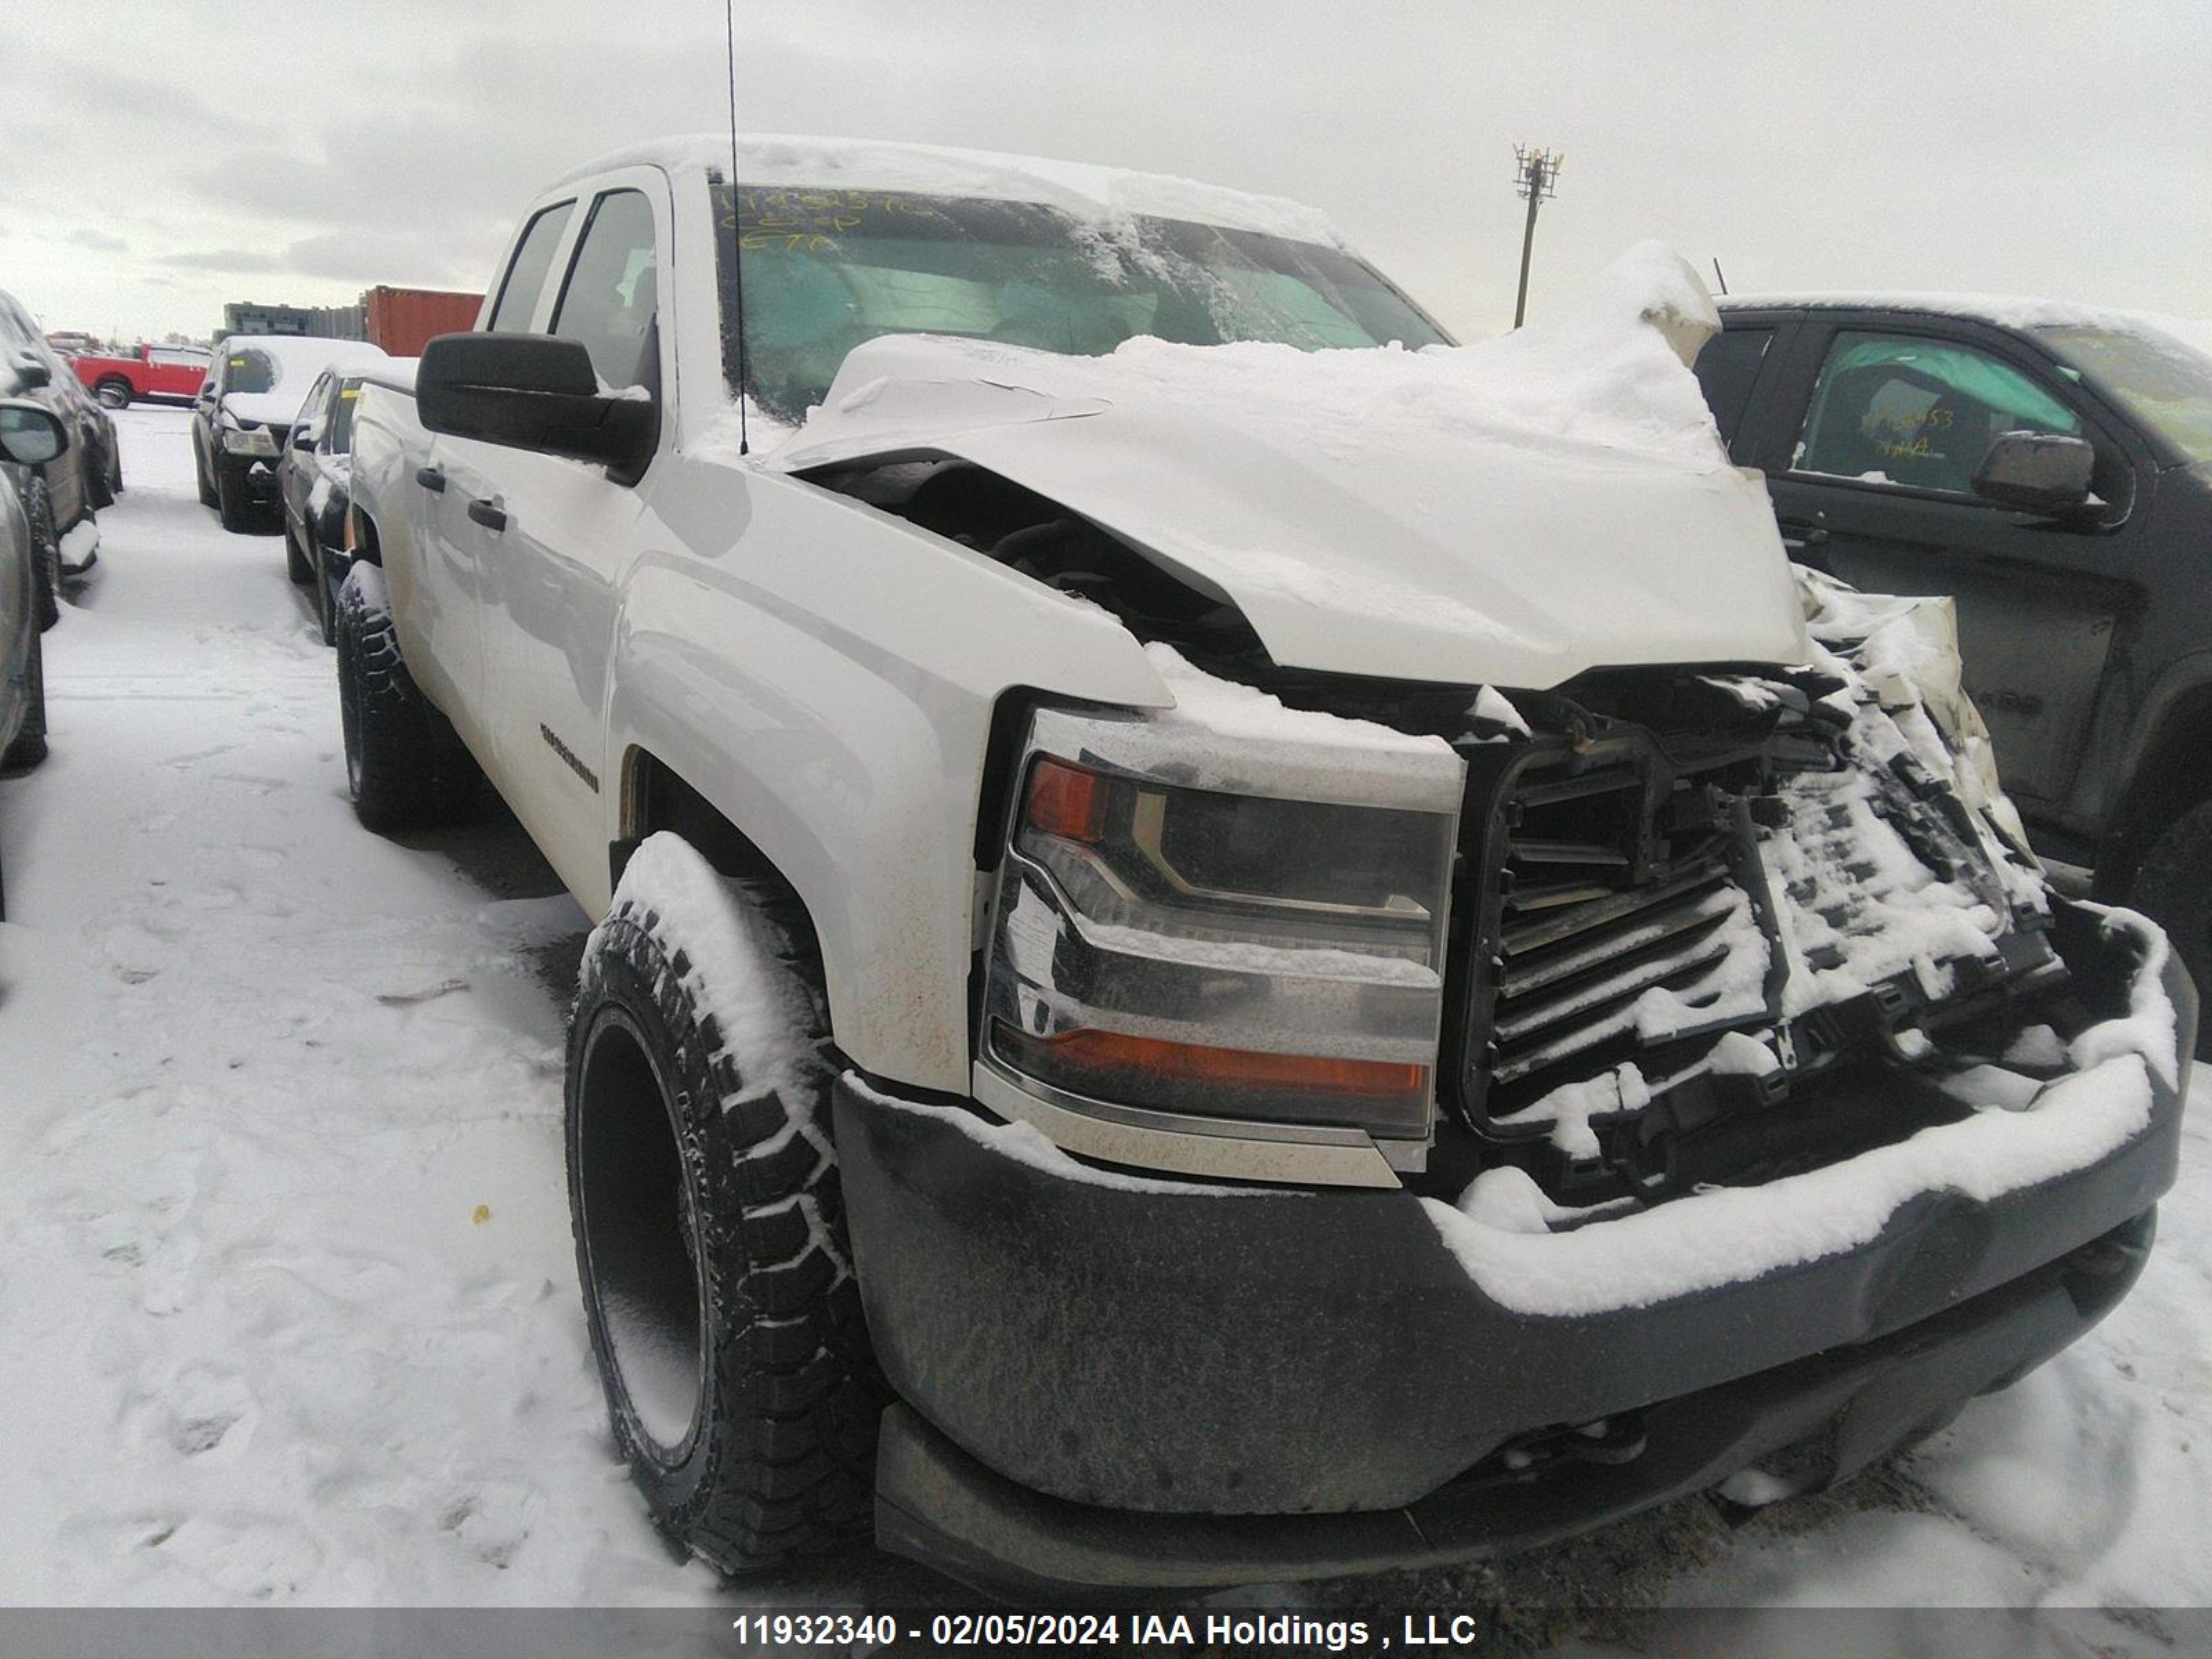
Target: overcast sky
(162,158)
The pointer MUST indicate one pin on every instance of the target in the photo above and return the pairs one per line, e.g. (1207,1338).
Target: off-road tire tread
(796,1397)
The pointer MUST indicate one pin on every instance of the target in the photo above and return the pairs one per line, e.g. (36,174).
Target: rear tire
(406,768)
(29,747)
(2173,887)
(114,392)
(296,561)
(709,1227)
(45,552)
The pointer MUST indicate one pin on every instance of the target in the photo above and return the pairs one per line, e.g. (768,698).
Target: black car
(315,480)
(242,418)
(2051,469)
(31,439)
(58,496)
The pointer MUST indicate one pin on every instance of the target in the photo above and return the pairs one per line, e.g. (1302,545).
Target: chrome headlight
(1261,948)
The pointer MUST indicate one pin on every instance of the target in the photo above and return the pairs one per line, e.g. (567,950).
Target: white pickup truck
(1239,944)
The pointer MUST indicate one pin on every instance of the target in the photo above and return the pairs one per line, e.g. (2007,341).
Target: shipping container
(402,319)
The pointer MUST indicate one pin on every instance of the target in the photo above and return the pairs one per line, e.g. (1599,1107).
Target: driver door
(1877,488)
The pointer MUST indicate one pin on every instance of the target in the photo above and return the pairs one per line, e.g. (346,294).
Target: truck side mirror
(534,391)
(30,435)
(2036,472)
(30,368)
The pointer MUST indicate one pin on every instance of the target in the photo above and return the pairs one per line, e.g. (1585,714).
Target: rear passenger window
(1727,369)
(613,291)
(526,276)
(1902,408)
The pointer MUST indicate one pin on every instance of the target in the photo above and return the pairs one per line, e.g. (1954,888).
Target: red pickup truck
(152,371)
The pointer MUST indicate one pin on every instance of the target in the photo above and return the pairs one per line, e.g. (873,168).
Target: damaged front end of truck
(1414,1117)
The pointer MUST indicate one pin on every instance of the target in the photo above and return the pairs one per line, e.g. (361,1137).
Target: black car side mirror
(2036,472)
(303,439)
(30,435)
(534,391)
(31,368)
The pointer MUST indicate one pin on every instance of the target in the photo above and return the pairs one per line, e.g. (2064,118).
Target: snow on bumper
(1128,1344)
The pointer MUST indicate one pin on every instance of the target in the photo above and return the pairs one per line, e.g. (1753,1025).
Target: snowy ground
(288,1308)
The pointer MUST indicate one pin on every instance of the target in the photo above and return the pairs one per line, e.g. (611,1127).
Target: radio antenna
(1718,275)
(736,230)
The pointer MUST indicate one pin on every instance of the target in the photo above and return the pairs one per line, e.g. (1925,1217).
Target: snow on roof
(2004,311)
(1080,188)
(298,350)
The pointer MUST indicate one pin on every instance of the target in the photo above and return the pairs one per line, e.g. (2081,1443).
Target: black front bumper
(1110,1385)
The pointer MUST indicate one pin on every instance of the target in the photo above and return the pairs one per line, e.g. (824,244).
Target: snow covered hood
(1512,513)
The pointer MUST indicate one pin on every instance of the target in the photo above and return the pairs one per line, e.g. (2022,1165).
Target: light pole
(1537,181)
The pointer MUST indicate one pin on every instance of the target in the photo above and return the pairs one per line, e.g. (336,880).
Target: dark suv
(2049,468)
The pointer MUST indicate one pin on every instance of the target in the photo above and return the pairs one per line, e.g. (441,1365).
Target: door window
(1726,369)
(525,275)
(314,413)
(1905,409)
(613,291)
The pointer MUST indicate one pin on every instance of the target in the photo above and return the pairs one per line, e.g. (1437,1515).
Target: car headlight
(250,441)
(1265,948)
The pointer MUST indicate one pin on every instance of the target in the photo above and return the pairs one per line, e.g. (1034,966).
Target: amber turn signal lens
(1067,801)
(1073,1059)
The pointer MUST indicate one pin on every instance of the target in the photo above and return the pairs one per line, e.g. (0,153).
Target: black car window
(1727,369)
(526,276)
(1902,409)
(610,299)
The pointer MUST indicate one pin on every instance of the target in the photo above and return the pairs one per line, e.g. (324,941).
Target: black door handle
(1796,533)
(430,478)
(488,515)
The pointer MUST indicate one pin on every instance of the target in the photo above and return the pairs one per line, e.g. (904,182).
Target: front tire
(2173,887)
(709,1229)
(406,768)
(114,392)
(208,497)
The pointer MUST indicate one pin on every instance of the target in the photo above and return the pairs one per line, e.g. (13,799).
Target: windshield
(2163,383)
(826,270)
(252,371)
